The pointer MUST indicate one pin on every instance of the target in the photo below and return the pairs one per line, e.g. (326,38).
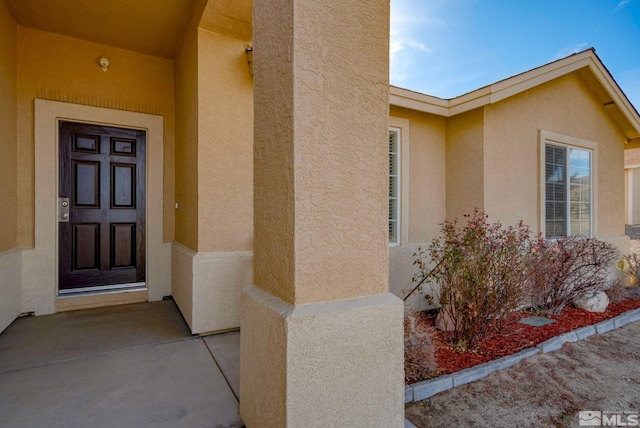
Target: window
(394,186)
(567,190)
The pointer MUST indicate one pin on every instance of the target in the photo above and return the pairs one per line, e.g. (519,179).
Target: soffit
(152,27)
(228,17)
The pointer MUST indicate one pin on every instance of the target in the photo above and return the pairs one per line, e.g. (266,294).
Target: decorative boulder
(444,322)
(596,302)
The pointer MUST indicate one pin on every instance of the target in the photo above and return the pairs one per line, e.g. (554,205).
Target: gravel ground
(600,373)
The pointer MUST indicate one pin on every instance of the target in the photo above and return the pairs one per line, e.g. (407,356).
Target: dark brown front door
(102,174)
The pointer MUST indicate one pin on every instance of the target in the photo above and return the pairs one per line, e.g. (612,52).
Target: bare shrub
(616,291)
(481,271)
(567,268)
(631,268)
(419,349)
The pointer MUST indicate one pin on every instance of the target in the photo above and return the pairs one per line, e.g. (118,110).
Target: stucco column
(321,341)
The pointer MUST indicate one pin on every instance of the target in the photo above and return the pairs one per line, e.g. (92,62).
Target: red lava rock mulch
(515,337)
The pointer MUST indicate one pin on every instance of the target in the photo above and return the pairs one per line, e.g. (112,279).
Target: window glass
(567,191)
(580,191)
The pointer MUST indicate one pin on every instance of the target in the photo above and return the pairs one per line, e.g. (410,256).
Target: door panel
(123,186)
(102,172)
(86,184)
(86,246)
(123,245)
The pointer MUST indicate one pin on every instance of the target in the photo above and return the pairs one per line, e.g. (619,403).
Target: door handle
(63,210)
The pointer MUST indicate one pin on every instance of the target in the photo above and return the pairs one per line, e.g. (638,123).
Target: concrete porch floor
(122,366)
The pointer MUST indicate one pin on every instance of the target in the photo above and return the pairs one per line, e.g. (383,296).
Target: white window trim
(401,126)
(629,196)
(548,137)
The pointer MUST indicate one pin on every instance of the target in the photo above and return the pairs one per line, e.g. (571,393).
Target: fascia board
(470,101)
(515,85)
(619,99)
(419,102)
(521,83)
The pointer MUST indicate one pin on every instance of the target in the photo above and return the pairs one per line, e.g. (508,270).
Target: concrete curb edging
(427,388)
(408,424)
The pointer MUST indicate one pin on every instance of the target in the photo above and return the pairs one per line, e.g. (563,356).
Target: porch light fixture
(249,52)
(104,63)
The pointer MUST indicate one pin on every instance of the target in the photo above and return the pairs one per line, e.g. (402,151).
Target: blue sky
(446,48)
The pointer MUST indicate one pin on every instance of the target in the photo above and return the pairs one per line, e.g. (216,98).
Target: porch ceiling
(231,17)
(148,26)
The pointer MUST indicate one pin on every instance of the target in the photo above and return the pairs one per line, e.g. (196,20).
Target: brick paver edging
(425,389)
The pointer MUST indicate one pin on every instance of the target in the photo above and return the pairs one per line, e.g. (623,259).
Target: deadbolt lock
(63,210)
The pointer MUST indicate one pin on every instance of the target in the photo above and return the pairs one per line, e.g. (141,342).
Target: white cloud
(570,49)
(621,4)
(403,45)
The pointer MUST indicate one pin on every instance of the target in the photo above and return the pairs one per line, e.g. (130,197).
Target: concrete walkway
(126,366)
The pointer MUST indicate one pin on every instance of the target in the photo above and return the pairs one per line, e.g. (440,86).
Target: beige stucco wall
(426,196)
(511,153)
(321,216)
(61,68)
(214,178)
(186,160)
(10,292)
(465,164)
(321,341)
(186,245)
(301,367)
(225,144)
(427,190)
(8,131)
(10,257)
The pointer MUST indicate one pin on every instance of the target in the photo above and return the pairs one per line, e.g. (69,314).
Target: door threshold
(105,289)
(99,298)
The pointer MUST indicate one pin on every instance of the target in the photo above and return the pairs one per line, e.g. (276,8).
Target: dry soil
(600,373)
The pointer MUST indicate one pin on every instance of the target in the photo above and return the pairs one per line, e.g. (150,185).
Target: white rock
(597,302)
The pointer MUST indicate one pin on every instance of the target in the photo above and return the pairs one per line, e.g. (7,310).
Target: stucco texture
(465,164)
(427,188)
(10,292)
(225,144)
(8,130)
(511,152)
(10,258)
(423,202)
(186,160)
(320,176)
(61,68)
(206,287)
(320,373)
(214,172)
(214,148)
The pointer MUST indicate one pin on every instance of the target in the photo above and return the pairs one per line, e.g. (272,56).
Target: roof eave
(618,105)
